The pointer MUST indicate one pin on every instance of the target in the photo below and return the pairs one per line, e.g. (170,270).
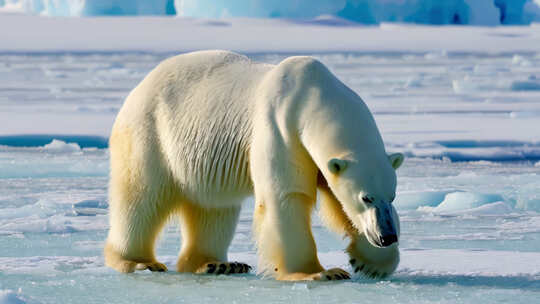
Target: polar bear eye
(367,199)
(337,165)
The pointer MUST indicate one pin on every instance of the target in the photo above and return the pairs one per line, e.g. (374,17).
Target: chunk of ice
(497,208)
(10,297)
(91,203)
(456,201)
(520,61)
(61,147)
(413,200)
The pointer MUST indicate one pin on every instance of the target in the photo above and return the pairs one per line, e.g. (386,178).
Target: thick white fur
(204,130)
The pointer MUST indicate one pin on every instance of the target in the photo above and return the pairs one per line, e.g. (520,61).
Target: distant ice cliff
(474,12)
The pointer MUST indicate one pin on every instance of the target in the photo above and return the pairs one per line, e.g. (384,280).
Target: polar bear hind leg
(206,236)
(138,208)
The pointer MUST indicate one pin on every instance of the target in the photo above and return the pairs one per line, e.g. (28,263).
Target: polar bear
(204,130)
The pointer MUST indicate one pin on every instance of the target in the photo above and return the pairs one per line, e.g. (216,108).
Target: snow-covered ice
(323,34)
(462,110)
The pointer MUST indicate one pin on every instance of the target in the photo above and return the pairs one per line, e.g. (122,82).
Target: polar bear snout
(382,239)
(382,225)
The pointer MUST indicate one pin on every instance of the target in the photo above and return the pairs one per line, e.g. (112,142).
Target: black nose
(388,240)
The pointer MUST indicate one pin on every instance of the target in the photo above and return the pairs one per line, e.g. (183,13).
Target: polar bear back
(198,106)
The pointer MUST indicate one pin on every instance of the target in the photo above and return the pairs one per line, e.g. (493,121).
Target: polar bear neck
(334,128)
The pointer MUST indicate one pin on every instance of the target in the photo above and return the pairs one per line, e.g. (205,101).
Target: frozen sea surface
(469,124)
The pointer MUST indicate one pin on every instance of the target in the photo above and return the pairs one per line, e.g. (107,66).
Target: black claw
(222,269)
(356,269)
(249,267)
(329,278)
(362,267)
(211,268)
(232,267)
(348,277)
(352,261)
(375,274)
(161,270)
(337,276)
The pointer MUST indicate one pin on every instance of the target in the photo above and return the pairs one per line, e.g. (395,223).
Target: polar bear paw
(370,270)
(224,268)
(334,274)
(152,266)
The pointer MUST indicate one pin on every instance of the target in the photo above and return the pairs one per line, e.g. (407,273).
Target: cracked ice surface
(467,194)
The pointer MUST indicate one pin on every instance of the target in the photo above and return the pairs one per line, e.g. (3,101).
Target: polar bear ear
(337,166)
(396,160)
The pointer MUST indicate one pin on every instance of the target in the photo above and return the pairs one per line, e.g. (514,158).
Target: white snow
(413,263)
(48,161)
(472,263)
(280,35)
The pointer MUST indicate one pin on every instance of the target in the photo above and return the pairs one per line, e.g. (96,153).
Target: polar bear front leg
(285,242)
(371,261)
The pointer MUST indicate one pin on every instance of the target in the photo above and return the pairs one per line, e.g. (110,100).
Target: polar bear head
(343,139)
(366,189)
(341,136)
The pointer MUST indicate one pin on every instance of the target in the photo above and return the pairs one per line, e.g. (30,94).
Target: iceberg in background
(475,12)
(89,7)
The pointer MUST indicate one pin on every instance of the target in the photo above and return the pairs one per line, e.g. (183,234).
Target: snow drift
(476,12)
